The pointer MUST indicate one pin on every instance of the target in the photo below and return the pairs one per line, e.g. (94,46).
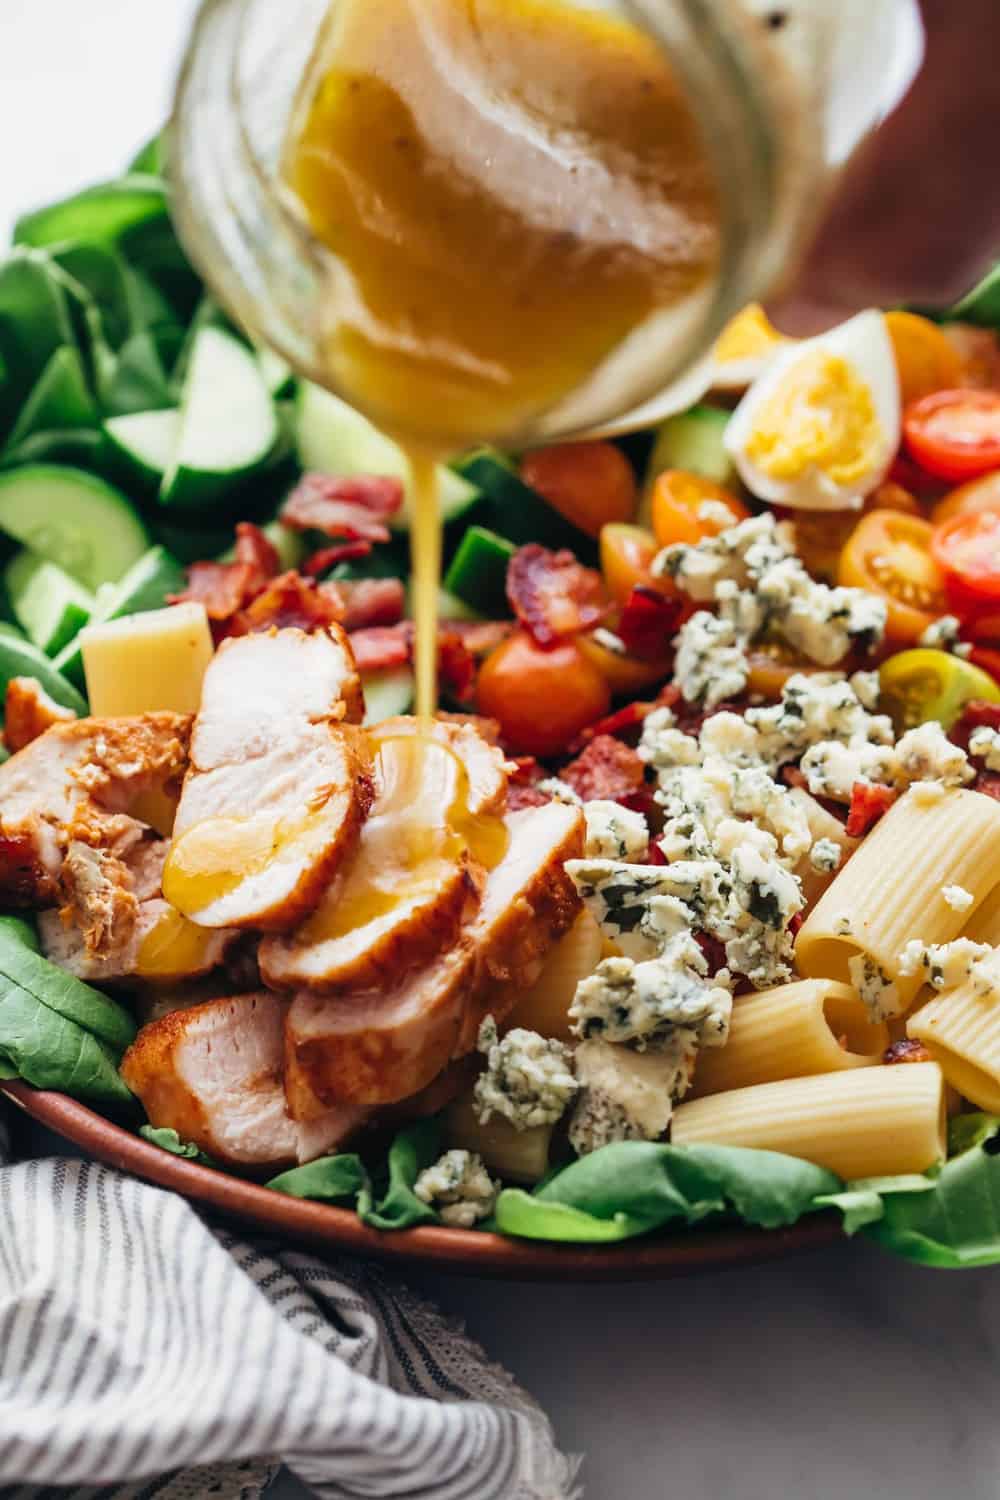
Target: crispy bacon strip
(868,802)
(553,595)
(225,588)
(648,622)
(383,646)
(328,557)
(606,769)
(372,601)
(290,600)
(975,715)
(354,506)
(909,1050)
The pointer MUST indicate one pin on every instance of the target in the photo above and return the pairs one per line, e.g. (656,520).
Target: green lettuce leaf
(330,1179)
(633,1187)
(23,968)
(399,1207)
(169,1140)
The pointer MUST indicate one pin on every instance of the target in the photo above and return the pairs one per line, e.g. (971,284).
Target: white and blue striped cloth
(145,1353)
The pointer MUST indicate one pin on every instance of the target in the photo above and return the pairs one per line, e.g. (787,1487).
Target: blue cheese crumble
(528,1078)
(459,1188)
(943,965)
(825,856)
(879,994)
(942,634)
(627,1095)
(647,1002)
(957,897)
(615,832)
(984,744)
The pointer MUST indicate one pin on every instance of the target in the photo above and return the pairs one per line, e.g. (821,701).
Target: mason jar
(782,90)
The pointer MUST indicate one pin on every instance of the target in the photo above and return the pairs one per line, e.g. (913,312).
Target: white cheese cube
(142,663)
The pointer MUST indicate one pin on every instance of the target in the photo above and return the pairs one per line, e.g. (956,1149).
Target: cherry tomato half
(925,684)
(889,553)
(625,675)
(955,434)
(588,483)
(925,359)
(820,535)
(688,507)
(542,699)
(967,550)
(978,494)
(626,554)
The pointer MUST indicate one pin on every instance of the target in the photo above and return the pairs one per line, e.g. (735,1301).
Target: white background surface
(836,1376)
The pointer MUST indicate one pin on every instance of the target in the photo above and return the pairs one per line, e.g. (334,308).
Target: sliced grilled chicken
(277,789)
(415,877)
(213,1074)
(28,712)
(382,1046)
(157,944)
(79,783)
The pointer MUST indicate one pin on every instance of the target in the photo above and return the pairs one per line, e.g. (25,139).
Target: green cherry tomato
(924,684)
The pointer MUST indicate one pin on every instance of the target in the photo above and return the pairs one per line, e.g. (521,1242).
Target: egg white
(863,343)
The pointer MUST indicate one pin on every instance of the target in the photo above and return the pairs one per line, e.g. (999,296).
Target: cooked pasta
(810,1026)
(961,1031)
(822,825)
(544,1007)
(889,893)
(865,1122)
(984,924)
(521,1155)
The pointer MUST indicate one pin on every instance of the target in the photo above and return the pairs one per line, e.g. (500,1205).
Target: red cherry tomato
(967,550)
(955,434)
(542,699)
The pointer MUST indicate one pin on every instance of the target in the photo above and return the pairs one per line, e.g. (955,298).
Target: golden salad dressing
(510,189)
(174,947)
(211,858)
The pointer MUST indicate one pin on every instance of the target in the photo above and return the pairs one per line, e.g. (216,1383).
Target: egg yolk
(820,415)
(748,334)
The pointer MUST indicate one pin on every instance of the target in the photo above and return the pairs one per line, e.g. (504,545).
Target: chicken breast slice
(379,1047)
(159,945)
(28,712)
(213,1074)
(277,788)
(420,863)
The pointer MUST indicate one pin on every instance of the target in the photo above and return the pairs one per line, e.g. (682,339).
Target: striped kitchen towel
(146,1353)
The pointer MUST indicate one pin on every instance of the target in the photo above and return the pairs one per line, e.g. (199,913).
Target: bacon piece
(607,769)
(552,594)
(868,803)
(655,855)
(381,646)
(481,636)
(976,714)
(255,550)
(328,557)
(987,782)
(713,949)
(648,622)
(909,1050)
(355,506)
(225,588)
(372,601)
(290,601)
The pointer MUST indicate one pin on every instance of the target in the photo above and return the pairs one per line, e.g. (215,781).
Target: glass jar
(782,93)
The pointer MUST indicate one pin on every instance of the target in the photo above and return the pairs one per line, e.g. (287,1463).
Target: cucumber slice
(49,604)
(73,519)
(277,373)
(19,658)
(692,440)
(60,400)
(450,606)
(387,693)
(78,448)
(514,510)
(478,572)
(143,445)
(145,586)
(228,426)
(333,438)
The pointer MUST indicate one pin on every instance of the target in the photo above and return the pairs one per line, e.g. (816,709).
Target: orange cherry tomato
(889,553)
(978,494)
(925,359)
(588,483)
(978,352)
(625,675)
(955,434)
(626,555)
(820,535)
(967,550)
(542,699)
(686,508)
(771,664)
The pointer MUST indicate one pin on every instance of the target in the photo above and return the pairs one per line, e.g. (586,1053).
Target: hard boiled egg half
(746,347)
(820,425)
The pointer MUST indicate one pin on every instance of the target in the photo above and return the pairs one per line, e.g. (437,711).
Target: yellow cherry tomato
(626,555)
(588,483)
(688,508)
(925,684)
(625,675)
(925,359)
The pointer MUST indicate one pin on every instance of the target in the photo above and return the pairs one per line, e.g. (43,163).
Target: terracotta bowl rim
(467,1252)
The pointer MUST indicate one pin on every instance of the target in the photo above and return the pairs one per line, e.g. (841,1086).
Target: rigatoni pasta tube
(865,1122)
(544,1006)
(822,825)
(521,1155)
(984,924)
(811,1026)
(890,889)
(961,1031)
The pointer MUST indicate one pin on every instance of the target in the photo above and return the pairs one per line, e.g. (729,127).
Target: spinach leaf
(53,1052)
(634,1186)
(399,1207)
(152,157)
(330,1179)
(982,304)
(103,213)
(43,983)
(79,447)
(169,1140)
(35,321)
(20,930)
(59,401)
(140,378)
